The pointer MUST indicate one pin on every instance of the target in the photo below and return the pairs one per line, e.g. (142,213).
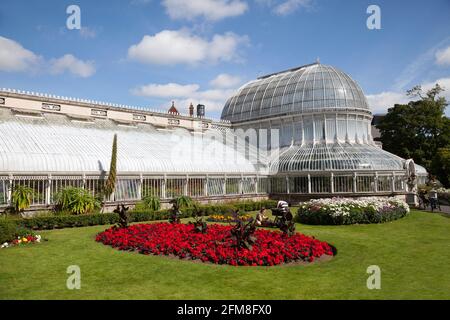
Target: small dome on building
(172,109)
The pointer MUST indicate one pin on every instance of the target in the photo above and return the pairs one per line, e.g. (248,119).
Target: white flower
(5,245)
(343,206)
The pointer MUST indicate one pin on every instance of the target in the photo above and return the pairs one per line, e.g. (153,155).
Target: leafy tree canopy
(419,130)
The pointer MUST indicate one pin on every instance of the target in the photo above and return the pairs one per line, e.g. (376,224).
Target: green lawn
(413,254)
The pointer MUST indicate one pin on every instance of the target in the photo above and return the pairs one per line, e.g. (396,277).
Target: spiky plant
(110,184)
(76,200)
(200,226)
(151,202)
(21,198)
(184,202)
(243,234)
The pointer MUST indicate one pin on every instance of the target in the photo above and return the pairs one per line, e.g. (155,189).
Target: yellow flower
(24,239)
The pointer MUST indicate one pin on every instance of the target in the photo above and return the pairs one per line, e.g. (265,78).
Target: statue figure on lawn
(174,213)
(287,224)
(411,175)
(200,226)
(123,216)
(261,219)
(284,218)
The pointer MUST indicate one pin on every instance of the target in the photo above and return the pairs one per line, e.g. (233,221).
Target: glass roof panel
(314,87)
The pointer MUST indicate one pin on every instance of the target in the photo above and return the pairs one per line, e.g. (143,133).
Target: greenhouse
(320,114)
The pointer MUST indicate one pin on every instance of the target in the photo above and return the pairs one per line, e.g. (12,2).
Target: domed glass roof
(311,88)
(335,157)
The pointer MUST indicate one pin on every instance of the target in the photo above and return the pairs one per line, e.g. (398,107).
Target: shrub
(338,211)
(152,203)
(444,196)
(76,201)
(70,221)
(228,218)
(10,230)
(249,205)
(22,197)
(47,221)
(184,202)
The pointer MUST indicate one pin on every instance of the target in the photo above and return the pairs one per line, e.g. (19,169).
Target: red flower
(215,246)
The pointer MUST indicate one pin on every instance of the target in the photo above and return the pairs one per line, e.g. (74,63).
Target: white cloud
(175,90)
(380,102)
(15,58)
(170,47)
(211,10)
(73,65)
(170,90)
(215,94)
(225,47)
(183,95)
(224,80)
(419,67)
(285,7)
(443,56)
(289,6)
(443,82)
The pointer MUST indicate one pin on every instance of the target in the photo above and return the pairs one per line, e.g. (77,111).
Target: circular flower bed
(336,211)
(215,246)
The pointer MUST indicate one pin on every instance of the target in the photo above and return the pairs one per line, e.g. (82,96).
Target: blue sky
(149,52)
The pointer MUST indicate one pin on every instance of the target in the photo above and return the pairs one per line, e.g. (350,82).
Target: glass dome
(335,157)
(322,121)
(307,89)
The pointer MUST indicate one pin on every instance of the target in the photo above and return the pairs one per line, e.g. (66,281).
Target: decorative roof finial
(318,60)
(191,110)
(173,109)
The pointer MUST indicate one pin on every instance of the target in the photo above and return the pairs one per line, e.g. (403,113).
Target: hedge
(71,221)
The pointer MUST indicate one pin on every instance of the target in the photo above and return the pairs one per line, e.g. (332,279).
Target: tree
(419,129)
(441,165)
(110,184)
